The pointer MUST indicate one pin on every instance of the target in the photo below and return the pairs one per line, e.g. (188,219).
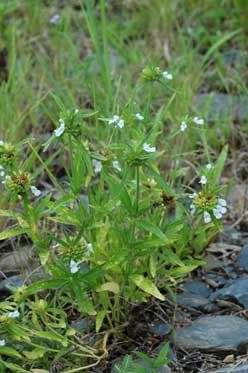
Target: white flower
(117,121)
(55,19)
(74,266)
(217,213)
(2,342)
(60,130)
(76,111)
(97,166)
(209,166)
(116,165)
(2,173)
(139,116)
(167,75)
(183,126)
(197,120)
(35,191)
(192,196)
(192,208)
(207,217)
(14,314)
(120,123)
(147,148)
(222,202)
(1,143)
(89,248)
(203,180)
(7,177)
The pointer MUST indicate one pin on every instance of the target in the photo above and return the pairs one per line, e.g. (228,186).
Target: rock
(197,287)
(238,290)
(16,261)
(15,281)
(160,329)
(241,368)
(81,325)
(220,106)
(190,300)
(211,262)
(215,280)
(242,259)
(214,334)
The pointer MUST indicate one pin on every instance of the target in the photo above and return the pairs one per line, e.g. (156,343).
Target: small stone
(15,281)
(190,300)
(241,368)
(160,329)
(237,290)
(214,334)
(229,359)
(242,259)
(81,325)
(197,287)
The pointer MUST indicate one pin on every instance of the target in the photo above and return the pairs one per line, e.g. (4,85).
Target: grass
(93,59)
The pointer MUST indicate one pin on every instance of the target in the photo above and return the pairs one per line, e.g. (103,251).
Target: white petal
(167,75)
(120,123)
(147,148)
(35,191)
(207,217)
(222,202)
(73,266)
(89,248)
(217,214)
(197,120)
(209,166)
(2,342)
(1,143)
(183,126)
(116,165)
(14,314)
(55,19)
(97,165)
(192,195)
(139,116)
(203,180)
(60,130)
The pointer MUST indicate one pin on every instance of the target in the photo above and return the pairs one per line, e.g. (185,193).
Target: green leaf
(110,286)
(99,320)
(44,285)
(14,367)
(9,351)
(37,353)
(84,303)
(151,228)
(147,286)
(219,165)
(161,182)
(52,336)
(152,266)
(11,233)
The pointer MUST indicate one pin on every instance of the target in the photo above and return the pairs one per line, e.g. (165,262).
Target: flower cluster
(117,121)
(196,120)
(154,73)
(211,206)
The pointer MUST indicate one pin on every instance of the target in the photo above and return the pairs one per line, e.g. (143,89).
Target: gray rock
(214,334)
(221,106)
(81,325)
(238,290)
(242,259)
(16,261)
(15,281)
(190,300)
(197,287)
(160,329)
(241,368)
